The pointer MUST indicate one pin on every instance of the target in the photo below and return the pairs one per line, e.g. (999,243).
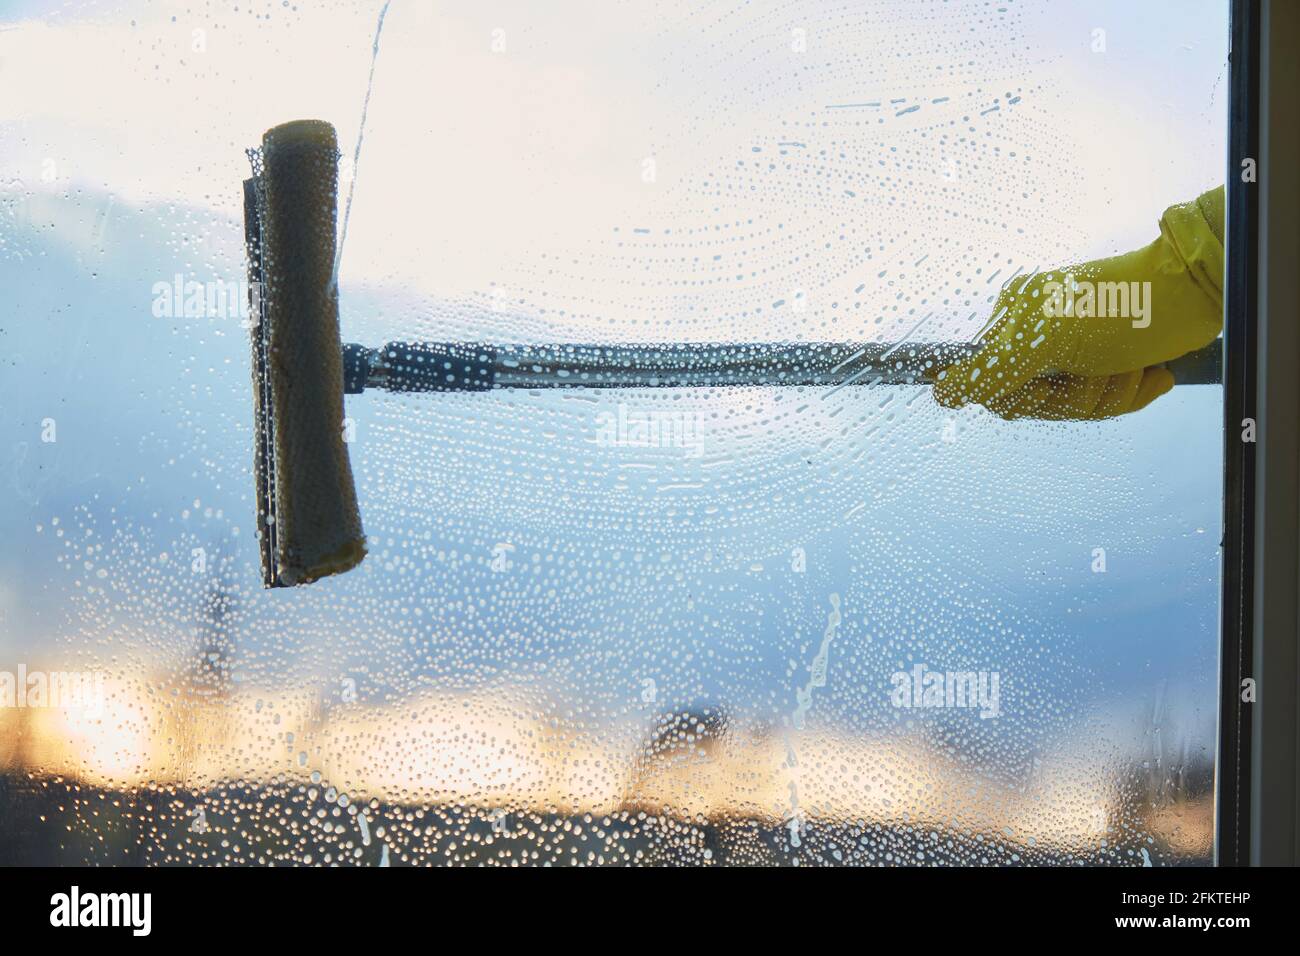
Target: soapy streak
(817,678)
(356,154)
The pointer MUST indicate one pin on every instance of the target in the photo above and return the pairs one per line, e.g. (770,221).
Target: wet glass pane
(595,626)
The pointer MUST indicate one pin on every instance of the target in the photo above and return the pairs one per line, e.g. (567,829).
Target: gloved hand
(1075,344)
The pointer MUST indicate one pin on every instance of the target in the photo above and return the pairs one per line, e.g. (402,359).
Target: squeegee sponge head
(306,494)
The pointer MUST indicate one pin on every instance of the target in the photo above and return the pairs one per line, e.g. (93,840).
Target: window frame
(1256,808)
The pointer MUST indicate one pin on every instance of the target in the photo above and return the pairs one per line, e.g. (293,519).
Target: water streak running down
(361,134)
(795,821)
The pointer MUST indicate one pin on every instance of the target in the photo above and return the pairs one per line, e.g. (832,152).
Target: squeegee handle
(418,367)
(460,367)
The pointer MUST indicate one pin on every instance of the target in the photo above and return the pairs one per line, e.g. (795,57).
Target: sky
(619,172)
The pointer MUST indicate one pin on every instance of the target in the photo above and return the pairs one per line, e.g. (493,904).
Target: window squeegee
(309,525)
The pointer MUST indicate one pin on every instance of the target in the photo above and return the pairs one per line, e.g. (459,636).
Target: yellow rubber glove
(1074,344)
